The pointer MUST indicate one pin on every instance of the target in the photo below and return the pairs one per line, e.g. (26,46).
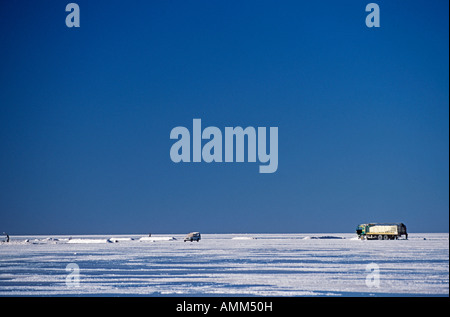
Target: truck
(381,231)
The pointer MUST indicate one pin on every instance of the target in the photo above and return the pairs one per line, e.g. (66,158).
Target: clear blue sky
(86,113)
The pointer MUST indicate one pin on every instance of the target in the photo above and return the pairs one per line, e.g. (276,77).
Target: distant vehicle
(193,236)
(381,231)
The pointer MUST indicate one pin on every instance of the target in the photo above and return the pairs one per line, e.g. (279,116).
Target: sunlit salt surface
(224,265)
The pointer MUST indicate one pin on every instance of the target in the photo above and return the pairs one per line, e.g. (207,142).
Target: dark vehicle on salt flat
(193,236)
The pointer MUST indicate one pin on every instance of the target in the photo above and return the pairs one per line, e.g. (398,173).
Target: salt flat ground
(225,265)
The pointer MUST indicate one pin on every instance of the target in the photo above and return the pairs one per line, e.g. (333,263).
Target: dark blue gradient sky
(86,113)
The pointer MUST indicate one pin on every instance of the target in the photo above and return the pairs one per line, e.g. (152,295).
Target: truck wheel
(380,237)
(386,237)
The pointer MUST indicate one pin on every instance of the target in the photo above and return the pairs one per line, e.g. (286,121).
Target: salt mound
(323,237)
(153,239)
(12,242)
(88,241)
(115,240)
(327,237)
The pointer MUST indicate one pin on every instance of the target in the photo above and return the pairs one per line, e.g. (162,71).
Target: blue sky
(86,113)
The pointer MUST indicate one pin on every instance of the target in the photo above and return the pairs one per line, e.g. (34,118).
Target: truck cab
(361,230)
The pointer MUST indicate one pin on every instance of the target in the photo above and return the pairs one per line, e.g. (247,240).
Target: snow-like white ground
(225,265)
